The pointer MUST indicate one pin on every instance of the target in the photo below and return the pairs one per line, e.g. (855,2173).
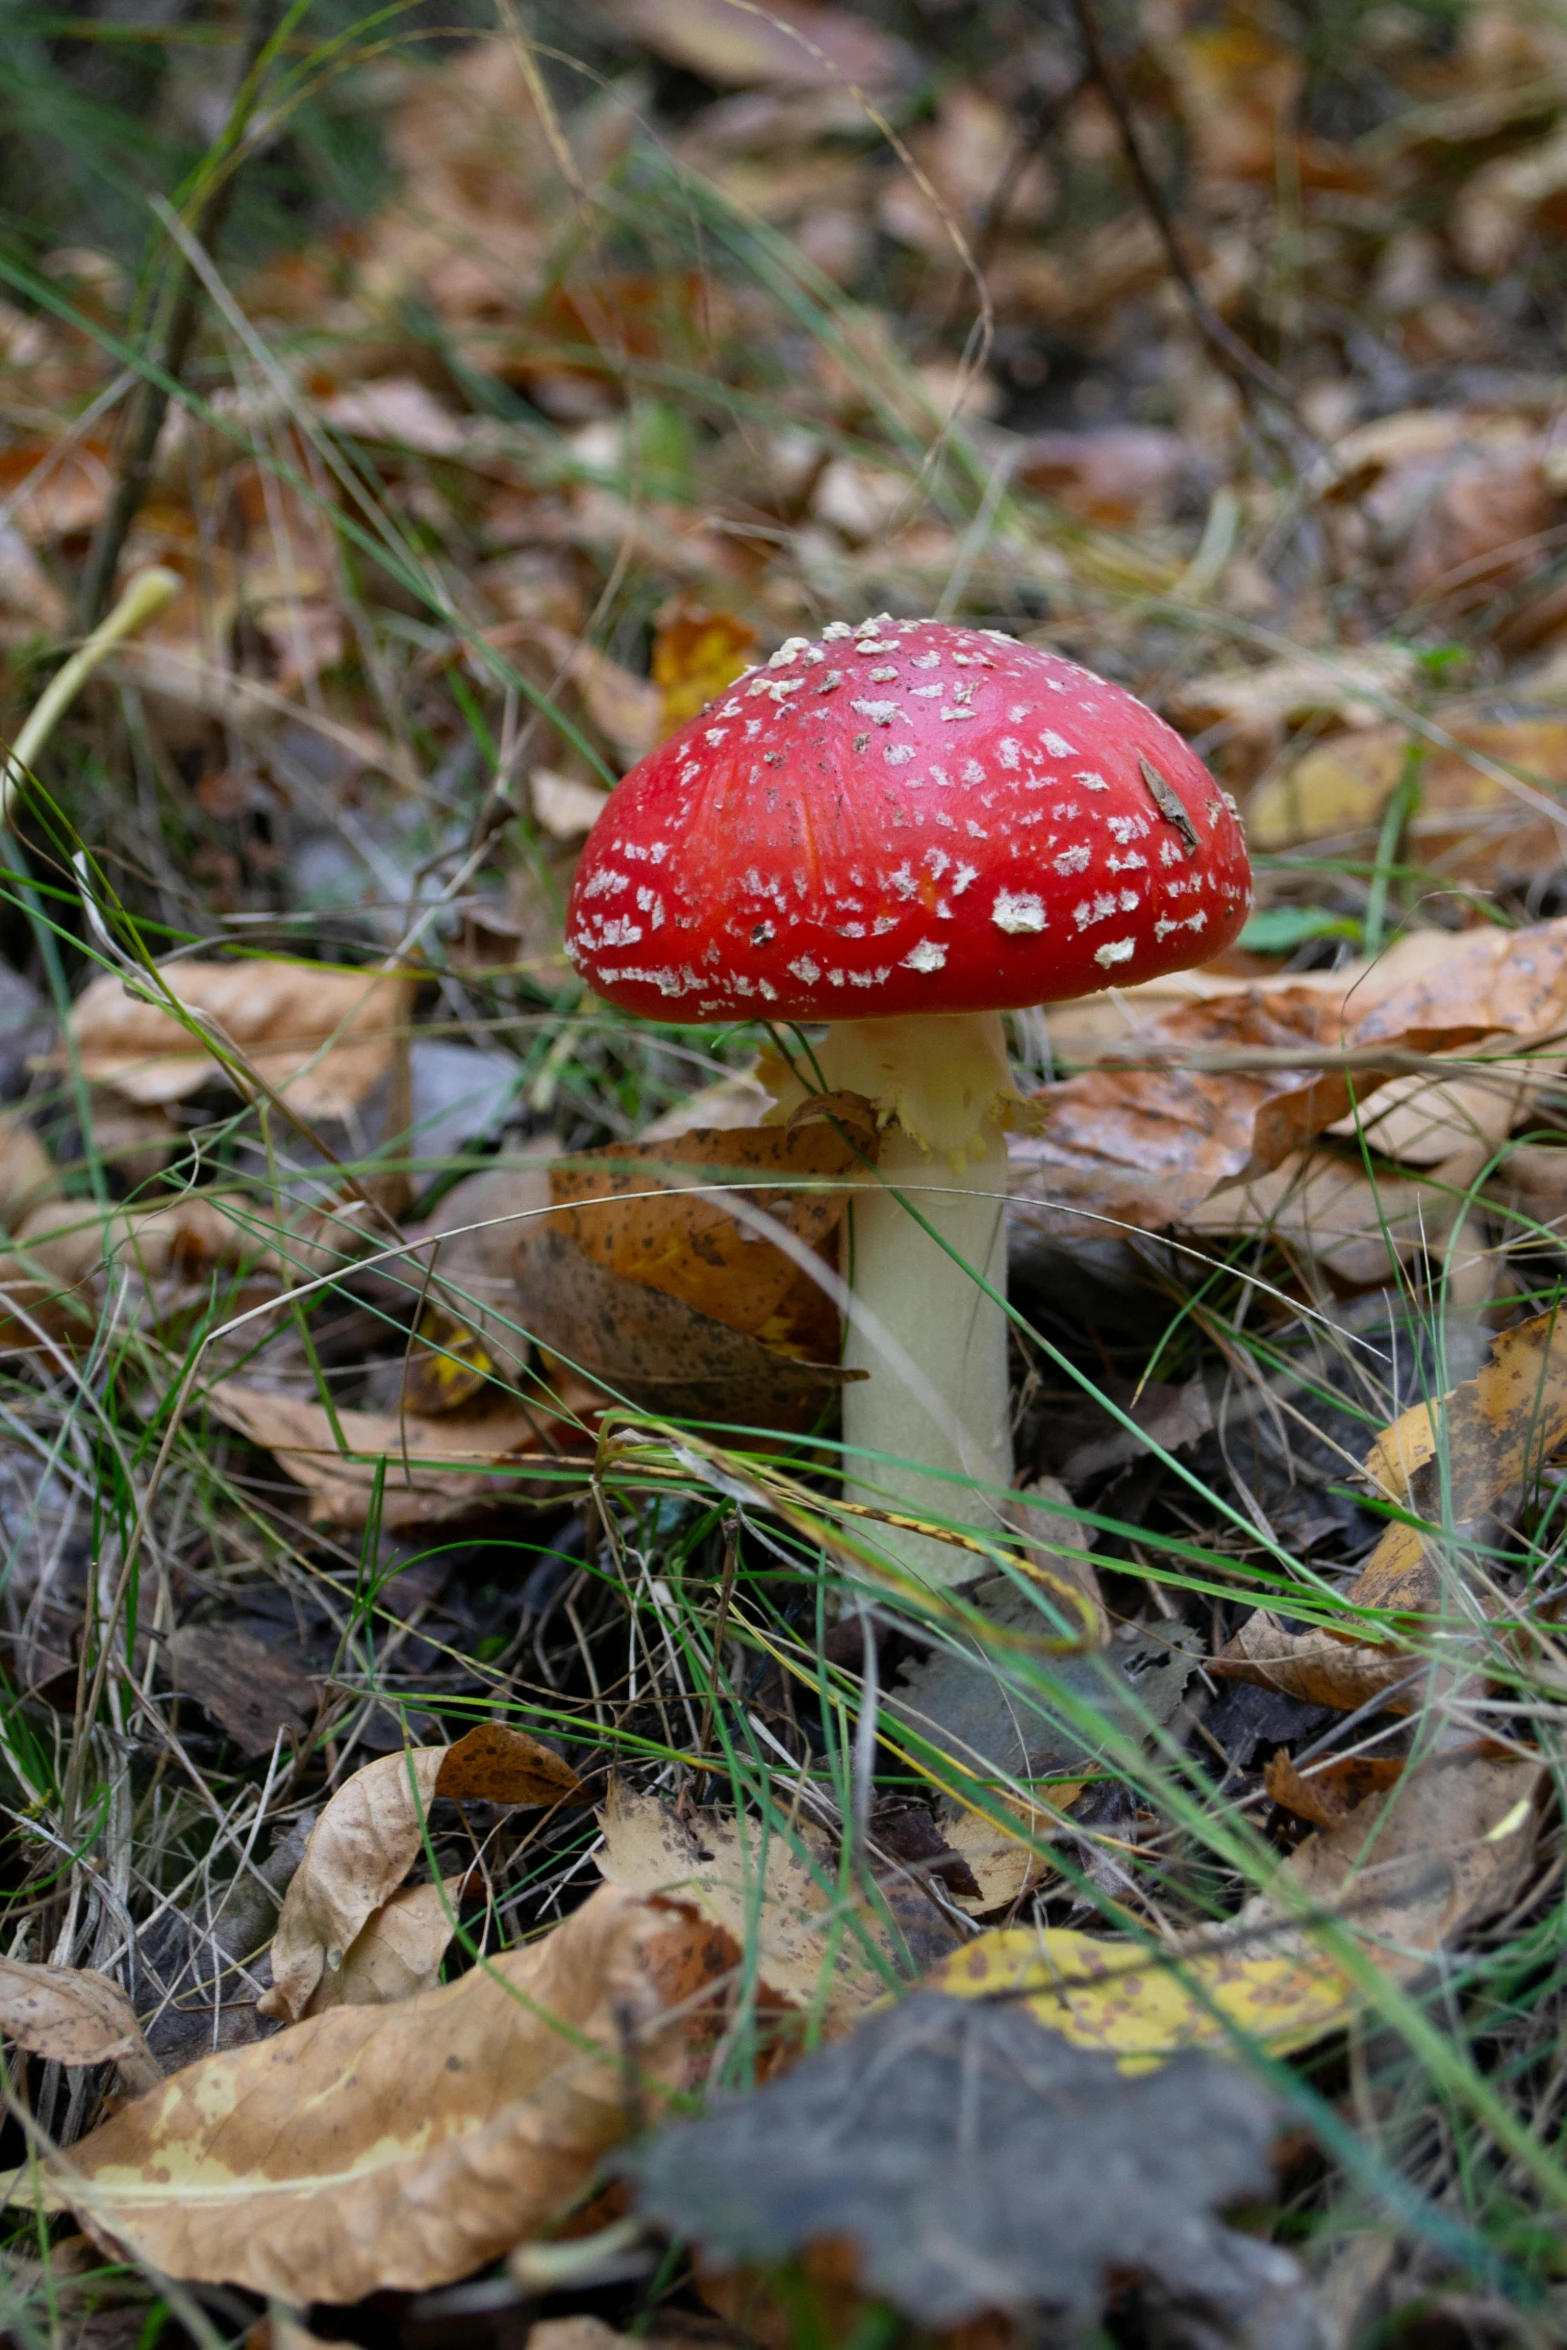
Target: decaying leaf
(653,1348)
(1404,1873)
(375,2148)
(1152,1143)
(816,1951)
(371,1833)
(965,2156)
(1321,1667)
(253,1690)
(323,1038)
(659,1213)
(496,1763)
(70,2015)
(1328,1791)
(434,1469)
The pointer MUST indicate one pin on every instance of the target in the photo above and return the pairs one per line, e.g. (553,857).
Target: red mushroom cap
(905,817)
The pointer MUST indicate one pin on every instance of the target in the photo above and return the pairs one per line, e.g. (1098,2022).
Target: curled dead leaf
(322,1037)
(496,1763)
(399,2147)
(71,2015)
(396,1953)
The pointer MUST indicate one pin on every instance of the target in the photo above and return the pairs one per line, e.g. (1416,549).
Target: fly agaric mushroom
(904,830)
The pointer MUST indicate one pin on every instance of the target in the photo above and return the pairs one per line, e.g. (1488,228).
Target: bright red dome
(905,817)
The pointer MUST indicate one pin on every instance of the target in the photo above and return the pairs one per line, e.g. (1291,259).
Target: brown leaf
(1316,1666)
(70,2015)
(322,1037)
(397,1952)
(373,1830)
(655,1349)
(397,2148)
(495,1763)
(635,1209)
(762,1889)
(1330,1790)
(435,1469)
(360,1849)
(252,1689)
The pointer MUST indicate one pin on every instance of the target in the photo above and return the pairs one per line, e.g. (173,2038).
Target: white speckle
(1007,752)
(975,831)
(949,715)
(961,879)
(1127,828)
(715,734)
(835,630)
(927,956)
(1018,911)
(1017,713)
(1095,909)
(1169,854)
(879,713)
(927,660)
(898,754)
(1074,860)
(1130,863)
(1129,901)
(833,678)
(620,931)
(972,771)
(926,693)
(651,903)
(605,882)
(940,775)
(884,676)
(1055,685)
(688,770)
(1115,950)
(936,862)
(1057,746)
(904,883)
(805,969)
(1091,781)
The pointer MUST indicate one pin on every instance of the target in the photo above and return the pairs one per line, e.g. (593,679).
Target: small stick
(1240,360)
(150,403)
(147,594)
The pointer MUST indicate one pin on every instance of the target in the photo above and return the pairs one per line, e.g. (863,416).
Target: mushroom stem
(932,1340)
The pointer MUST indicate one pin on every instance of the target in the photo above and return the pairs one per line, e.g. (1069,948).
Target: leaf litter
(396,1341)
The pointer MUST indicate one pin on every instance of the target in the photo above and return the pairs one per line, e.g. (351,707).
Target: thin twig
(1240,361)
(149,405)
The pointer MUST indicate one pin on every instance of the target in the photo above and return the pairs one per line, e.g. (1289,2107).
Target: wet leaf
(70,2015)
(964,2156)
(323,1038)
(252,1689)
(403,2146)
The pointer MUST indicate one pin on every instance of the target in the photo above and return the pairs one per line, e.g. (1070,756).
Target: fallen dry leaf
(1404,1873)
(322,1037)
(795,42)
(385,2148)
(372,1832)
(816,1951)
(396,1953)
(653,1348)
(962,2154)
(1328,1791)
(430,1469)
(70,2015)
(637,1210)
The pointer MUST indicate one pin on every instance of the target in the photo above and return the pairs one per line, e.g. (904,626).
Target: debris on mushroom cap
(906,817)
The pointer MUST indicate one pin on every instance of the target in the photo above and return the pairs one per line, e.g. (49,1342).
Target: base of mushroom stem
(935,1346)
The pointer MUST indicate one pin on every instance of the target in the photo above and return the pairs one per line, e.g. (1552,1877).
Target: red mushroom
(905,829)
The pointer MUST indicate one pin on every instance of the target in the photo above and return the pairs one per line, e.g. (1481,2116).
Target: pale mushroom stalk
(925,1325)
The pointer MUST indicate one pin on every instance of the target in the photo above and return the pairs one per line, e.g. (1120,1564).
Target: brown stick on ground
(148,403)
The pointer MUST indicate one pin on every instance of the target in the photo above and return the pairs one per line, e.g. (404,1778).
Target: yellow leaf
(695,655)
